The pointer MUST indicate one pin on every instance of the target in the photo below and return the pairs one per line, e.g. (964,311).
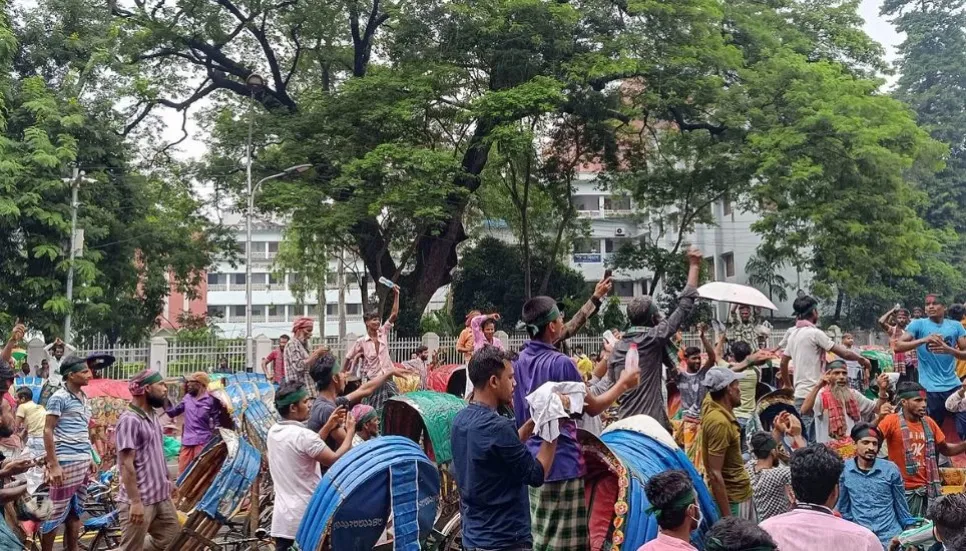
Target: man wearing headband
(807,349)
(202,415)
(914,439)
(295,455)
(938,343)
(68,446)
(367,424)
(673,502)
(372,351)
(296,354)
(894,323)
(558,507)
(770,480)
(871,490)
(738,534)
(650,335)
(816,470)
(837,407)
(148,518)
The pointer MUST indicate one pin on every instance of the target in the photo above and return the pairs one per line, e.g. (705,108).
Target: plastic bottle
(632,360)
(386,282)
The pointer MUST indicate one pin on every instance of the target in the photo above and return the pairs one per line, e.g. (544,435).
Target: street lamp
(249,348)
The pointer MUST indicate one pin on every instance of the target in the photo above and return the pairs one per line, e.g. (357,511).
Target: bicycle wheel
(452,535)
(106,539)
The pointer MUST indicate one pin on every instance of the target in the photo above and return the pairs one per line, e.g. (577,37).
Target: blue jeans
(936,408)
(808,422)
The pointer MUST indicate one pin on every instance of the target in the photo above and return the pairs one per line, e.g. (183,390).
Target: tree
(301,253)
(490,278)
(762,270)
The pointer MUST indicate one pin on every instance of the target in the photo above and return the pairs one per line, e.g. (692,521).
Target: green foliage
(610,316)
(440,322)
(490,279)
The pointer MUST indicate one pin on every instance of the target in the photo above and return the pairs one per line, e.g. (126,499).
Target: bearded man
(837,407)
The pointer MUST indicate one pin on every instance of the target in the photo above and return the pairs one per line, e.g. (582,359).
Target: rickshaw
(426,418)
(449,378)
(351,506)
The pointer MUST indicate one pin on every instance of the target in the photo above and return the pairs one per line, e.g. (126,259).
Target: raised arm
(476,325)
(394,315)
(15,337)
(578,320)
(708,347)
(668,327)
(884,320)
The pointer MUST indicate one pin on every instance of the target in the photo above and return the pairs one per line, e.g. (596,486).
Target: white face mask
(700,517)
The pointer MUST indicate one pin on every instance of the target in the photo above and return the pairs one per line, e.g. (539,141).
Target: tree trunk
(554,253)
(838,306)
(322,310)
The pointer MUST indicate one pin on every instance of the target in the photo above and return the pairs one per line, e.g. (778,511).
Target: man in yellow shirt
(31,418)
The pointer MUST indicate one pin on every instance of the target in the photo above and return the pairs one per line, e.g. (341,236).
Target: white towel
(546,407)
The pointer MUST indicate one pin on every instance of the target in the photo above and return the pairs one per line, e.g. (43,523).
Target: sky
(877,27)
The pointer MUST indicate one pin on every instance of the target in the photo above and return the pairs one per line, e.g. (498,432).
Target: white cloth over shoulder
(546,407)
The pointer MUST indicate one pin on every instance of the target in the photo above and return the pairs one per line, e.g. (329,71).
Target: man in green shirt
(721,441)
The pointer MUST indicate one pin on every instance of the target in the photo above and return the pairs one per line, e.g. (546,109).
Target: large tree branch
(684,126)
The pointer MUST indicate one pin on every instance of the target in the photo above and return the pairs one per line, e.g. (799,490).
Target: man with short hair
(373,351)
(948,516)
(421,364)
(741,326)
(770,480)
(807,349)
(692,393)
(914,439)
(870,489)
(274,364)
(202,415)
(894,323)
(147,514)
(837,407)
(674,502)
(811,524)
(720,437)
(738,534)
(54,354)
(294,457)
(938,343)
(491,465)
(31,417)
(650,334)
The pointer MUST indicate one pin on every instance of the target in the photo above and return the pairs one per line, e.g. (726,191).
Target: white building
(274,307)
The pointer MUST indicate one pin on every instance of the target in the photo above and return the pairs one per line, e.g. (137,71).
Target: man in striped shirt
(148,517)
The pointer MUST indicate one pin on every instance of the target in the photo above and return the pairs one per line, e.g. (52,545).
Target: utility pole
(74,187)
(341,282)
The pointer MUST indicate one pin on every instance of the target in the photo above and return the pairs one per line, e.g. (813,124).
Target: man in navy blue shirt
(491,464)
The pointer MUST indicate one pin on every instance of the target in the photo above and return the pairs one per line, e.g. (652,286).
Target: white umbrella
(735,293)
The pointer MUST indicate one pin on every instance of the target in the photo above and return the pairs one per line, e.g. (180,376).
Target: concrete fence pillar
(263,347)
(35,354)
(158,355)
(431,341)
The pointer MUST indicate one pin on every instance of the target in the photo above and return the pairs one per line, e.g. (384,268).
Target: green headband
(66,370)
(151,379)
(686,498)
(536,325)
(366,418)
(836,364)
(769,445)
(911,394)
(290,399)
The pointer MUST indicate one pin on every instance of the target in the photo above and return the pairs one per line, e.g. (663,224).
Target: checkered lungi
(558,512)
(379,396)
(69,497)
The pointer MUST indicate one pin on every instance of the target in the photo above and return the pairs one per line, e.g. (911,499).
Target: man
(148,518)
(914,439)
(68,446)
(54,353)
(938,343)
(770,480)
(957,312)
(837,408)
(274,364)
(294,457)
(948,516)
(858,377)
(25,369)
(484,331)
(651,335)
(9,489)
(674,503)
(491,465)
(903,362)
(720,437)
(464,344)
(870,489)
(692,392)
(558,507)
(31,417)
(746,362)
(330,383)
(421,364)
(742,327)
(917,313)
(223,366)
(373,351)
(44,371)
(367,424)
(202,413)
(811,525)
(296,354)
(738,534)
(807,348)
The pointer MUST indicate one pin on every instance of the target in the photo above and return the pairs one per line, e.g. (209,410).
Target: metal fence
(130,359)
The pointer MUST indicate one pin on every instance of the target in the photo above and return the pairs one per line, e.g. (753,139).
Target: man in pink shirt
(484,331)
(816,470)
(373,352)
(674,504)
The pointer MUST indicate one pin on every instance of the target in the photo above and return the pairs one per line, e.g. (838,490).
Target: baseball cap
(718,378)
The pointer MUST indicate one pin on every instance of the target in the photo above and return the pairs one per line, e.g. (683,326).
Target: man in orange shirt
(464,344)
(914,439)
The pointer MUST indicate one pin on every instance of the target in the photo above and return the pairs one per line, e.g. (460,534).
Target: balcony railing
(276,318)
(214,287)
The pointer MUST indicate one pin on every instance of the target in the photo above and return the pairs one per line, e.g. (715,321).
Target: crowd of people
(852,460)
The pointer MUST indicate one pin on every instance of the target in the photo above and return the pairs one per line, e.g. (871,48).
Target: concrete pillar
(158,355)
(263,347)
(35,354)
(431,341)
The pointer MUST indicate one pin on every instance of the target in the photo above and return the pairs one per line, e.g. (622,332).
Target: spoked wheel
(105,540)
(452,535)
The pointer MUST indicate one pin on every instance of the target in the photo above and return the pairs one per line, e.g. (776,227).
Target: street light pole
(74,186)
(253,82)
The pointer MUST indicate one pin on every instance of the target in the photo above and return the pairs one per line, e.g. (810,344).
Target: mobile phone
(609,336)
(607,273)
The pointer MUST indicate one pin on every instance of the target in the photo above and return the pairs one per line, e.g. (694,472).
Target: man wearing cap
(148,518)
(938,343)
(870,489)
(296,354)
(837,407)
(807,349)
(294,457)
(202,414)
(720,436)
(914,439)
(650,335)
(68,446)
(367,424)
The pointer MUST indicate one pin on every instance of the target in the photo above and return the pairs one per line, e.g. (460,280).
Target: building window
(617,202)
(216,312)
(259,279)
(272,248)
(728,207)
(275,311)
(274,280)
(729,264)
(237,279)
(586,246)
(217,279)
(294,279)
(312,310)
(608,245)
(238,311)
(624,289)
(353,309)
(258,311)
(331,310)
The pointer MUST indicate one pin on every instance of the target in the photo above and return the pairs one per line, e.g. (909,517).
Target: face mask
(697,520)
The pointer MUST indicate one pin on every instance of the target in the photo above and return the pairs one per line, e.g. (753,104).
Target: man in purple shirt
(201,415)
(148,518)
(558,508)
